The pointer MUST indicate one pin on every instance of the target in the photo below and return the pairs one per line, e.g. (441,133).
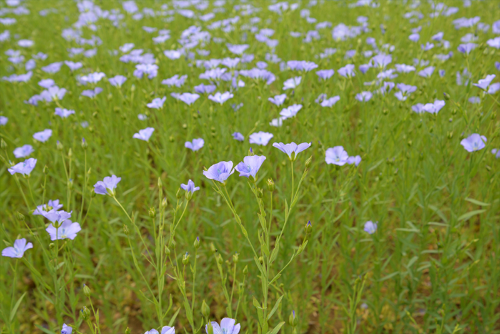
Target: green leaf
(469,215)
(189,315)
(45,330)
(389,276)
(262,221)
(274,308)
(14,310)
(277,328)
(274,253)
(256,304)
(474,201)
(172,320)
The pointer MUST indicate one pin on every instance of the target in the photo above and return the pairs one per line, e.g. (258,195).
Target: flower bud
(160,184)
(185,259)
(197,243)
(205,310)
(164,203)
(59,146)
(308,227)
(125,229)
(292,319)
(236,258)
(446,96)
(127,331)
(45,170)
(270,184)
(152,212)
(219,259)
(85,313)
(51,245)
(19,216)
(167,251)
(212,247)
(308,161)
(84,144)
(86,290)
(70,153)
(245,270)
(178,195)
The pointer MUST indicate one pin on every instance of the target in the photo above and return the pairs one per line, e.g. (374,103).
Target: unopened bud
(152,213)
(446,96)
(164,203)
(292,320)
(219,259)
(85,313)
(308,161)
(178,195)
(308,227)
(84,144)
(197,243)
(59,146)
(245,270)
(86,290)
(70,153)
(127,331)
(236,258)
(125,229)
(19,216)
(45,170)
(51,245)
(212,247)
(185,259)
(270,184)
(205,310)
(160,184)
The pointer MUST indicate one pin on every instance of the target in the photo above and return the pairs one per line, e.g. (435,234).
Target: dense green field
(385,220)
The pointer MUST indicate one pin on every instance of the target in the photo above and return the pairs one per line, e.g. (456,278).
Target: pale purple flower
(237,49)
(426,72)
(188,98)
(278,99)
(364,96)
(347,71)
(53,93)
(151,70)
(292,149)
(496,152)
(107,186)
(73,66)
(354,160)
(238,136)
(67,230)
(466,48)
(43,136)
(414,37)
(44,209)
(64,113)
(250,165)
(336,155)
(23,151)
(117,81)
(418,108)
(220,171)
(144,134)
(3,120)
(474,100)
(46,83)
(404,68)
(189,187)
(130,6)
(205,89)
(494,88)
(325,74)
(92,77)
(66,329)
(92,92)
(364,68)
(484,83)
(260,138)
(24,168)
(292,83)
(433,108)
(195,145)
(220,98)
(52,68)
(438,37)
(227,324)
(157,103)
(17,251)
(330,102)
(175,81)
(442,73)
(172,54)
(494,42)
(370,227)
(474,142)
(381,60)
(290,111)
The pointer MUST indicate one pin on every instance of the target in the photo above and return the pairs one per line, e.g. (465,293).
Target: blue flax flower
(292,149)
(220,171)
(250,165)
